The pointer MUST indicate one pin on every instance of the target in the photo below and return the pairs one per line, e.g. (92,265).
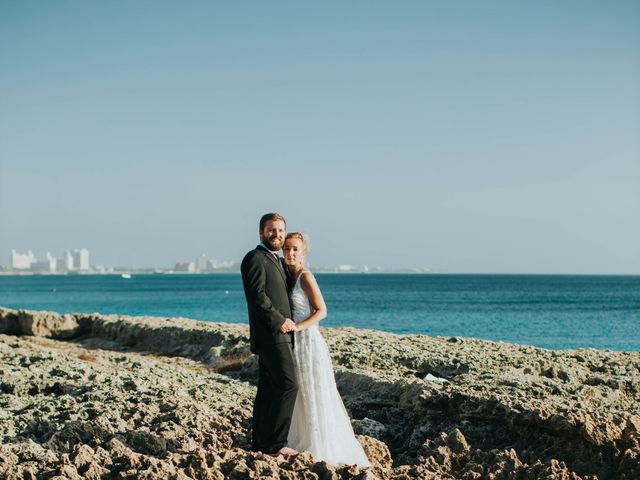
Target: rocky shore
(104,396)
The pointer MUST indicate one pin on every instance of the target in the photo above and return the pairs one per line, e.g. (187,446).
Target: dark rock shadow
(410,414)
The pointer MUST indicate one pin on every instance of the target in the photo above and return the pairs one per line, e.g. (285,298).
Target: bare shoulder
(312,289)
(307,279)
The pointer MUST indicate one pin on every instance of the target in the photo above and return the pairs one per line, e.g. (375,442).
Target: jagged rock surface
(92,396)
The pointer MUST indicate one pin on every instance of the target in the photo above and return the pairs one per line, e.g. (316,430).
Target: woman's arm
(311,288)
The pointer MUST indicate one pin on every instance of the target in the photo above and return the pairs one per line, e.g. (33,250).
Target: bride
(320,423)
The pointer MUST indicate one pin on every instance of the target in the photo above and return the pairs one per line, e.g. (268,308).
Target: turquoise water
(551,311)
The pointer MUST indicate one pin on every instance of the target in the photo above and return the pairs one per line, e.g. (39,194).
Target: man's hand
(288,326)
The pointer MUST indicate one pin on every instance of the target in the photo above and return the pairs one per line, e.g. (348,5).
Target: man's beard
(274,244)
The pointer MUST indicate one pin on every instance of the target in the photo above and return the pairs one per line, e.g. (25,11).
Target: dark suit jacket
(265,288)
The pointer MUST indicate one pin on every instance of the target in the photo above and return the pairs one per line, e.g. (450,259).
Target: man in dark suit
(271,334)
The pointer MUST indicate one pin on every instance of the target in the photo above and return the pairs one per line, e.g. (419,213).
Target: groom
(271,332)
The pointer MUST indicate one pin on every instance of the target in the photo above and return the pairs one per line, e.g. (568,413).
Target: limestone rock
(93,396)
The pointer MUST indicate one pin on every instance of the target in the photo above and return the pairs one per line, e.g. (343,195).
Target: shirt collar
(275,254)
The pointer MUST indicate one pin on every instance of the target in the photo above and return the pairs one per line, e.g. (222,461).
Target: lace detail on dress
(300,306)
(320,423)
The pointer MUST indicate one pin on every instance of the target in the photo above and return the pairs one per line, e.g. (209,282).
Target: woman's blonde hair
(299,236)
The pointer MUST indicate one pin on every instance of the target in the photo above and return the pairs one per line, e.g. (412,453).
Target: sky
(459,136)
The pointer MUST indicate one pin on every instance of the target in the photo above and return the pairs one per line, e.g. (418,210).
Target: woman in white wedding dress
(320,423)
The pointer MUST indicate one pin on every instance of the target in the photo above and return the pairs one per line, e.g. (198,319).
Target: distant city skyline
(471,137)
(78,261)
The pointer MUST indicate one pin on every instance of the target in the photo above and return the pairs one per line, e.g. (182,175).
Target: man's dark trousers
(277,390)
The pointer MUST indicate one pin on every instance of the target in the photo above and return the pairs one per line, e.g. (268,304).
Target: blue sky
(463,136)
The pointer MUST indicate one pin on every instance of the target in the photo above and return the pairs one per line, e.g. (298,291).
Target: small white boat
(126,275)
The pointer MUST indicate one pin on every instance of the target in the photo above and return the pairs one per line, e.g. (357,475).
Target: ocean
(549,311)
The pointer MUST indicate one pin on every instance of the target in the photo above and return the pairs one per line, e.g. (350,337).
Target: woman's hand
(288,326)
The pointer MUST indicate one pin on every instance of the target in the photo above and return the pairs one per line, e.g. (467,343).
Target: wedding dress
(320,422)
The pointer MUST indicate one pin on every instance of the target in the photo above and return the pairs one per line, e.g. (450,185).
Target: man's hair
(270,216)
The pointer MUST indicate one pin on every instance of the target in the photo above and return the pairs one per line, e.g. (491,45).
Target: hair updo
(299,236)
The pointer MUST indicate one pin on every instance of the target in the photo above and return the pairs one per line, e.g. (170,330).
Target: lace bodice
(300,306)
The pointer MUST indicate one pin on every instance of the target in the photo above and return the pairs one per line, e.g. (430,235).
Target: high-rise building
(84,259)
(48,265)
(80,259)
(53,262)
(201,263)
(67,261)
(185,267)
(22,261)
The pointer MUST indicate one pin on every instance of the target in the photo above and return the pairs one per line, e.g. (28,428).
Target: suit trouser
(276,397)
